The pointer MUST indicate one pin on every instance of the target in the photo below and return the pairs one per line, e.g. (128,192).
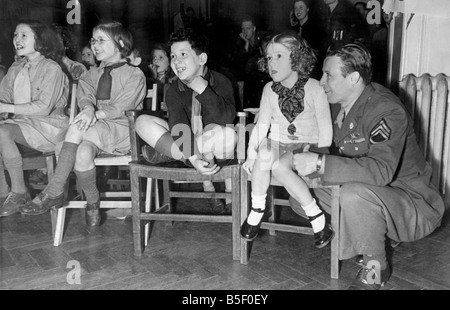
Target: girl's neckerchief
(290,100)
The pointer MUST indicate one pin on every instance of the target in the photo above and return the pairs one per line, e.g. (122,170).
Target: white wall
(426,45)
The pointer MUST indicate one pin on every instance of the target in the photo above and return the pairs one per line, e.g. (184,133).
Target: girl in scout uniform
(33,94)
(104,94)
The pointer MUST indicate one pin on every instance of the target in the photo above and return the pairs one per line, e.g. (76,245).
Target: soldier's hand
(305,163)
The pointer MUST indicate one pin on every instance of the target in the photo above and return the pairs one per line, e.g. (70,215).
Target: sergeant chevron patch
(380,133)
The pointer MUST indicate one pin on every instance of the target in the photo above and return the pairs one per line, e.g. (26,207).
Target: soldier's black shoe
(370,279)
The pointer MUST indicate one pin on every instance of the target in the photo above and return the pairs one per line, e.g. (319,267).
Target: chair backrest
(73,101)
(151,100)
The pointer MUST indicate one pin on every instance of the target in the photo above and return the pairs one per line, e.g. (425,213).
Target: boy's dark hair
(354,57)
(118,33)
(198,41)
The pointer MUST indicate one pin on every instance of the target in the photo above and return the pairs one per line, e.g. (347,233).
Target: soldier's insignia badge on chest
(380,133)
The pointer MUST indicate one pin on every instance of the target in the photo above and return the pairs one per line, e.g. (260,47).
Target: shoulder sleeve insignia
(380,133)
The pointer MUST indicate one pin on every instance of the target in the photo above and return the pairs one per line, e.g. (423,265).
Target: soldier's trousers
(371,213)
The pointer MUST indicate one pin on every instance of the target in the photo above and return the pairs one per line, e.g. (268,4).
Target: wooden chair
(32,160)
(327,197)
(123,198)
(177,171)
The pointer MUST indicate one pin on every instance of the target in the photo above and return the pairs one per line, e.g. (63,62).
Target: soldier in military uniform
(386,182)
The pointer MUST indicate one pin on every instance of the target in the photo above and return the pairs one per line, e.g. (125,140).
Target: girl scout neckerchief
(105,82)
(290,100)
(22,85)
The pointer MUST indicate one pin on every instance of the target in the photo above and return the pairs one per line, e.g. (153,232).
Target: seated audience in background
(294,115)
(256,77)
(309,27)
(67,45)
(200,104)
(344,24)
(191,21)
(103,96)
(386,190)
(88,58)
(161,72)
(246,47)
(379,50)
(33,93)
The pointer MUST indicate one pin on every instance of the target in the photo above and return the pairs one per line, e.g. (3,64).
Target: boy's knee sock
(4,187)
(66,161)
(88,182)
(258,202)
(15,171)
(167,146)
(312,210)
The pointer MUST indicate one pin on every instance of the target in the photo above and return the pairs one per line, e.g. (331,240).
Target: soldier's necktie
(22,85)
(105,82)
(340,117)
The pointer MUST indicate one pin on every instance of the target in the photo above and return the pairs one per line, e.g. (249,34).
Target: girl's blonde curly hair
(303,57)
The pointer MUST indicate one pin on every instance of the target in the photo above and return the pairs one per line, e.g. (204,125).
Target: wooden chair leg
(335,222)
(60,215)
(148,206)
(273,213)
(235,213)
(136,202)
(243,213)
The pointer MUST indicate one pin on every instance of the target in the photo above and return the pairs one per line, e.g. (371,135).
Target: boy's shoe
(93,215)
(41,204)
(152,156)
(13,202)
(38,177)
(218,206)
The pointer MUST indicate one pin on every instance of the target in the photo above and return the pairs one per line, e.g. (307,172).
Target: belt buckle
(294,138)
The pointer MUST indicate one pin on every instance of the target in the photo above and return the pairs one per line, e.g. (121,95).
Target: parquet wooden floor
(194,256)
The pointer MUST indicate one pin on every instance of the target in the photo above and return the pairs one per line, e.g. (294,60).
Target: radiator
(427,100)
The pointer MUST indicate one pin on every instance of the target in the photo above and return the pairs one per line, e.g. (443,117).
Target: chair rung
(282,202)
(199,195)
(103,204)
(186,217)
(287,228)
(116,194)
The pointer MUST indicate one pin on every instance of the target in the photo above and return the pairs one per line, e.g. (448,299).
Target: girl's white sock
(312,210)
(258,202)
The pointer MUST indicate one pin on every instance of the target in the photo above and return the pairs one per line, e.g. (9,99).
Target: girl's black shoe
(248,231)
(323,237)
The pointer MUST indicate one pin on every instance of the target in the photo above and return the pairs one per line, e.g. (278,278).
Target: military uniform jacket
(378,146)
